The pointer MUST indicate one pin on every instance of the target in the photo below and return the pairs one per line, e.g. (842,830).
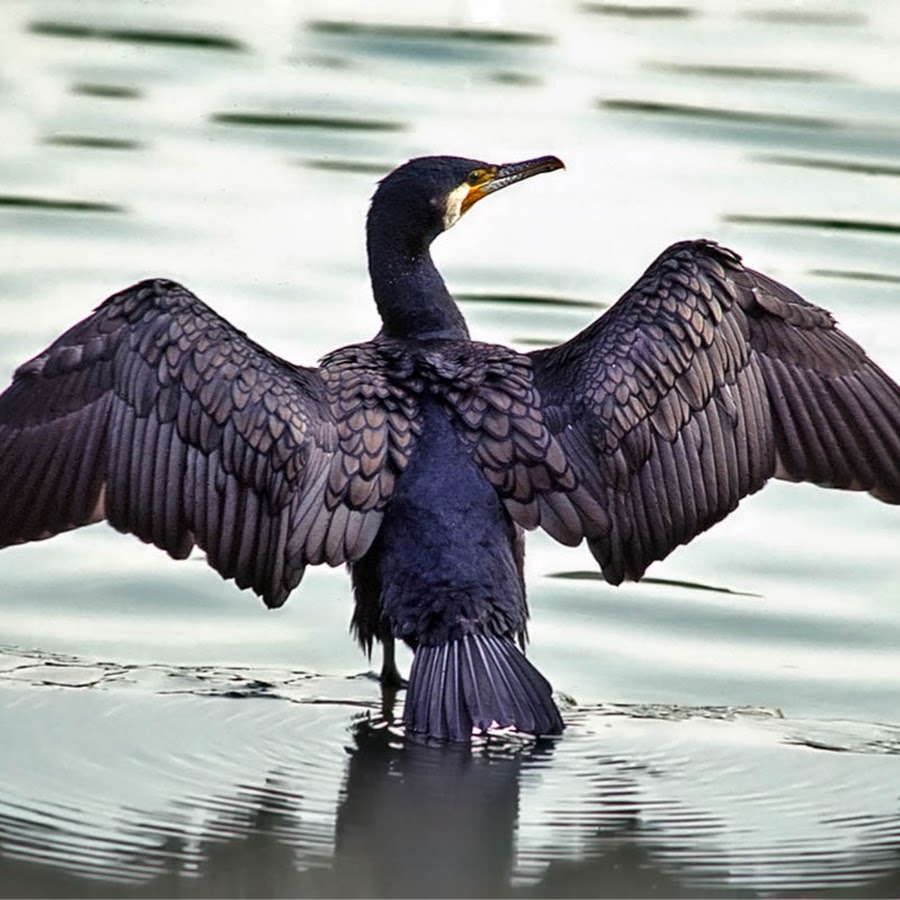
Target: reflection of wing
(702,382)
(158,415)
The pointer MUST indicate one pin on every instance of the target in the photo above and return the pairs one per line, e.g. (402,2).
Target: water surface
(733,719)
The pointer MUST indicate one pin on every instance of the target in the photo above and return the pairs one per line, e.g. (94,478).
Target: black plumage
(420,456)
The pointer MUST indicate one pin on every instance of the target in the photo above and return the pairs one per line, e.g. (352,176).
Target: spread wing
(158,415)
(705,380)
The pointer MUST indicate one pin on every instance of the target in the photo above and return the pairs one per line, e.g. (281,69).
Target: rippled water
(733,719)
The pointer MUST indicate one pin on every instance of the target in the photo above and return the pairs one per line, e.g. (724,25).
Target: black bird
(420,456)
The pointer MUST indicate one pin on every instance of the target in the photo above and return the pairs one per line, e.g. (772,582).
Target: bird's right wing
(158,415)
(705,380)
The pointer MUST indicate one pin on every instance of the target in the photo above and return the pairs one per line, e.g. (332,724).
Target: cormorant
(419,457)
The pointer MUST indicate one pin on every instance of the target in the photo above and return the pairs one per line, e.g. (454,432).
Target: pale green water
(161,734)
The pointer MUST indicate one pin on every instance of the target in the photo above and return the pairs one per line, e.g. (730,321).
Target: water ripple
(530,300)
(92,142)
(762,73)
(716,114)
(275,120)
(54,204)
(852,275)
(106,91)
(351,166)
(587,575)
(861,226)
(180,793)
(200,40)
(797,16)
(638,11)
(850,166)
(427,33)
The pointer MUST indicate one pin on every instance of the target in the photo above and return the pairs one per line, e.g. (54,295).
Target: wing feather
(158,415)
(705,380)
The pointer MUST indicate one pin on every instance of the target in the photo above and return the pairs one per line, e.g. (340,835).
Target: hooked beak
(498,177)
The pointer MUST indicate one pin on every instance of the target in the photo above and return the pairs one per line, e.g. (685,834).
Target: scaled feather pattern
(420,456)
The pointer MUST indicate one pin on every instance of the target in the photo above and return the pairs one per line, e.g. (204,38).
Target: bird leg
(390,674)
(391,679)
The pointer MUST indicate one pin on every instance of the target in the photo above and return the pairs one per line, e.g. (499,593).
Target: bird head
(428,195)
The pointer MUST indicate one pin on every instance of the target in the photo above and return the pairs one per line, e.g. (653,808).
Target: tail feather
(479,681)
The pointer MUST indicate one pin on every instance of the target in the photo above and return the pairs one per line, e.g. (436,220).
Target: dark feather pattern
(159,416)
(418,457)
(705,380)
(477,682)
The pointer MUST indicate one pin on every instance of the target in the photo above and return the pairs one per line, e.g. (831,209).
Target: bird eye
(475,177)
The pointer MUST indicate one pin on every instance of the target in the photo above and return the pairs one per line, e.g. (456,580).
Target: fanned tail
(478,681)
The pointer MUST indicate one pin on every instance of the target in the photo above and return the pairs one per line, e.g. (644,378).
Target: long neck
(409,292)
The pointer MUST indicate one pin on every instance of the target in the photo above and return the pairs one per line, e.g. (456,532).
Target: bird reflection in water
(430,817)
(417,818)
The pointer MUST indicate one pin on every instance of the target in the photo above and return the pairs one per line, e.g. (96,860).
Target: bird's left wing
(701,383)
(158,415)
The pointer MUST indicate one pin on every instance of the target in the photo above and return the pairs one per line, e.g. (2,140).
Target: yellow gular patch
(454,205)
